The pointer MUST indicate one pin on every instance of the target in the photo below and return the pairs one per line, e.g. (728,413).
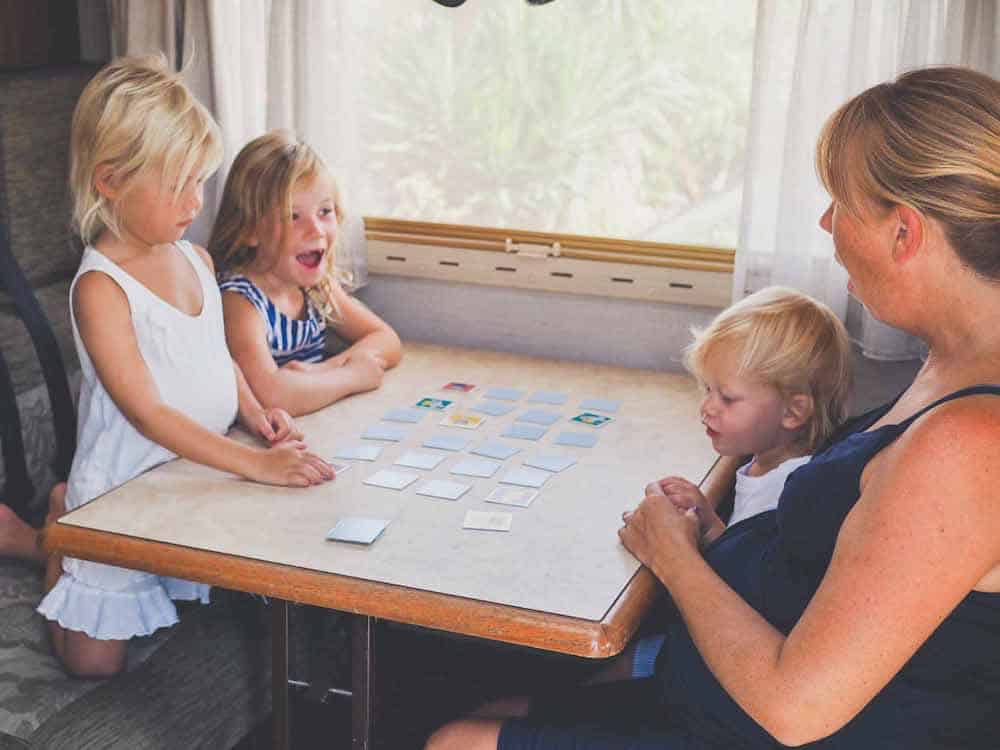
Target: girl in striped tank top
(273,242)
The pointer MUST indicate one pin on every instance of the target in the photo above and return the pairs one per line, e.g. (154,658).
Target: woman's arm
(925,532)
(297,390)
(104,320)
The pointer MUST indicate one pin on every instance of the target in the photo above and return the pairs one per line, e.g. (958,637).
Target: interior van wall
(647,335)
(575,327)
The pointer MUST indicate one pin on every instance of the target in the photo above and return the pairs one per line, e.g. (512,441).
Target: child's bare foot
(57,507)
(17,538)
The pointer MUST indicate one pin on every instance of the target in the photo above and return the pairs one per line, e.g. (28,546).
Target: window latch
(532,250)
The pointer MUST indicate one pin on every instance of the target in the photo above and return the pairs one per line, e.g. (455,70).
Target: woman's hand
(685,494)
(662,536)
(289,464)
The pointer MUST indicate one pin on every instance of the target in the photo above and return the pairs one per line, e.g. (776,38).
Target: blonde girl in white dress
(157,379)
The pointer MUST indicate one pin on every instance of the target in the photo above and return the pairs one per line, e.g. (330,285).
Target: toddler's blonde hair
(261,182)
(136,115)
(790,341)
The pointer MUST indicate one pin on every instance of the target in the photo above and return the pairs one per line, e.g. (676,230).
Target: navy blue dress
(946,697)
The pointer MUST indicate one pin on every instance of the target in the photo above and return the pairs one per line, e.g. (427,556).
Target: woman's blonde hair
(790,341)
(136,115)
(259,187)
(929,140)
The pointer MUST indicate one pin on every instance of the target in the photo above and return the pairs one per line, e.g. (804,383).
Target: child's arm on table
(366,330)
(104,320)
(297,390)
(273,425)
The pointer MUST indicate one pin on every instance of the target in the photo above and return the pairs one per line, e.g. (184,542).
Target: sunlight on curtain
(810,57)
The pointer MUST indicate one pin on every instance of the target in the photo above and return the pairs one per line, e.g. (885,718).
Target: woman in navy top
(865,611)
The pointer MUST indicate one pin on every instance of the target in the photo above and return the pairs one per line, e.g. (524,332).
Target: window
(619,119)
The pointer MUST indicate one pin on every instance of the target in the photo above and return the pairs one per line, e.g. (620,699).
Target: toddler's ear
(798,411)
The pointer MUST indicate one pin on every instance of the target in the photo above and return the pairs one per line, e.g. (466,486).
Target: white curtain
(260,65)
(810,57)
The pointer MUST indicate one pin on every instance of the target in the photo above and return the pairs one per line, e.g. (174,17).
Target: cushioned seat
(21,357)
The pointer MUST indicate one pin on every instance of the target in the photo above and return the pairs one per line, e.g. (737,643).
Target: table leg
(362,676)
(279,672)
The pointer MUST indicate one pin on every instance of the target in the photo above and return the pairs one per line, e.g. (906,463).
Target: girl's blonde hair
(790,341)
(929,140)
(260,184)
(136,115)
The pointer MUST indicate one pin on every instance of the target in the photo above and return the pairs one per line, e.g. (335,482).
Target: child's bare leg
(84,656)
(19,539)
(57,507)
(80,654)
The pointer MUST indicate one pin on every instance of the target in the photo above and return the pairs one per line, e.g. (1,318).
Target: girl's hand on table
(289,464)
(368,370)
(662,536)
(275,426)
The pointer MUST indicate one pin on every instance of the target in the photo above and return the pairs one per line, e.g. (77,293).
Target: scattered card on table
(419,460)
(393,480)
(357,530)
(495,449)
(465,421)
(438,404)
(493,408)
(525,477)
(524,431)
(539,416)
(550,461)
(404,415)
(504,394)
(517,496)
(594,420)
(463,387)
(358,452)
(476,467)
(580,439)
(384,432)
(547,397)
(487,520)
(600,404)
(446,442)
(443,489)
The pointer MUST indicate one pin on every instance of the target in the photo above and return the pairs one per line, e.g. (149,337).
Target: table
(559,580)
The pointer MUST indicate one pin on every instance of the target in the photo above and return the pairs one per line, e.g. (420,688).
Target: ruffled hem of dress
(114,615)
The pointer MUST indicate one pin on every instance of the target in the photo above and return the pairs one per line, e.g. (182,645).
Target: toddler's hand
(276,425)
(684,495)
(291,465)
(368,370)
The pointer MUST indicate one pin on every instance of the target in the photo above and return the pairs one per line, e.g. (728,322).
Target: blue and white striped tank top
(289,339)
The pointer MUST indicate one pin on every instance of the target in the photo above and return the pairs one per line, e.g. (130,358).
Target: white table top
(562,554)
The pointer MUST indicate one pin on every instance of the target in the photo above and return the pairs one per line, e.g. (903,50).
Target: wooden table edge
(549,632)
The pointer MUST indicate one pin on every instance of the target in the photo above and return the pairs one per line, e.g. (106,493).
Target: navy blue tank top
(946,696)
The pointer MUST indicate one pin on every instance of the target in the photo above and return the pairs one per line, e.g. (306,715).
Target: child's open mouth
(311,259)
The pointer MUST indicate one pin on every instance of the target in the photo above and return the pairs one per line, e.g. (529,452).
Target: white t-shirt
(759,494)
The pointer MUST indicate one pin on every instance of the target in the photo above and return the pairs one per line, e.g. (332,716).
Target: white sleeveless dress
(192,368)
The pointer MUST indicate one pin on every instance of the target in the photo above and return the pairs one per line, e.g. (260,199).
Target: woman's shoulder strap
(973,390)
